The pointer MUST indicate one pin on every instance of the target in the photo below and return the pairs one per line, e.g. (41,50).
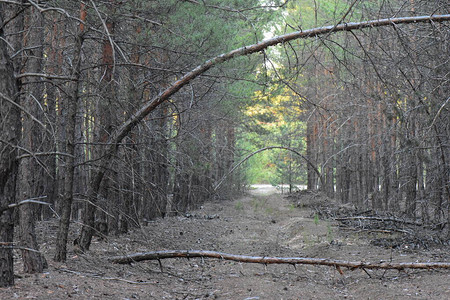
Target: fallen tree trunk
(158,255)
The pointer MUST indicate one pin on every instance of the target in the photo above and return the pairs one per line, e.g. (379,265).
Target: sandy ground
(263,223)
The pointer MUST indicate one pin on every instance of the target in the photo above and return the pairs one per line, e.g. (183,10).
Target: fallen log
(158,255)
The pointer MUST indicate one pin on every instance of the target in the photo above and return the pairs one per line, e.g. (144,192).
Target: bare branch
(30,154)
(46,76)
(13,2)
(43,10)
(18,247)
(6,98)
(439,112)
(31,200)
(44,154)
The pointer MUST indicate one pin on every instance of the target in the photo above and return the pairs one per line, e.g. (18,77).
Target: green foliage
(259,204)
(292,207)
(239,206)
(316,219)
(273,117)
(330,235)
(260,169)
(305,14)
(215,25)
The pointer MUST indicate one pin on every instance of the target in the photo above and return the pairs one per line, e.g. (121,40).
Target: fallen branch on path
(158,255)
(100,276)
(381,219)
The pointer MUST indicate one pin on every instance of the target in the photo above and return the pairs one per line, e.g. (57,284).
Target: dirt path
(261,223)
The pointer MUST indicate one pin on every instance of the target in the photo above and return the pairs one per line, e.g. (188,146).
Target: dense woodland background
(368,108)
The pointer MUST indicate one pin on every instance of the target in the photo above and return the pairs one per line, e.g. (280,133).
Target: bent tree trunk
(9,138)
(140,114)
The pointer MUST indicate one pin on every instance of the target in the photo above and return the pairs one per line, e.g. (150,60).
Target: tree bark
(10,129)
(29,180)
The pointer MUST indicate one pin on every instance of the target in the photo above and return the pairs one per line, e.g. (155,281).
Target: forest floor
(262,223)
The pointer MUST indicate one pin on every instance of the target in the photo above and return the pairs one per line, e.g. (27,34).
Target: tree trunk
(29,181)
(311,138)
(10,130)
(66,203)
(104,126)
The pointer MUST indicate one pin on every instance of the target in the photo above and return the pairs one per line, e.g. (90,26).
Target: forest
(114,114)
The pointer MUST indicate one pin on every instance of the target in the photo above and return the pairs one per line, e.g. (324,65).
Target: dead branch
(47,76)
(157,255)
(389,231)
(4,245)
(100,276)
(32,200)
(382,219)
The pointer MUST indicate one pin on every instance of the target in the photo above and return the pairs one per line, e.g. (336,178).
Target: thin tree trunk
(311,138)
(72,104)
(104,125)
